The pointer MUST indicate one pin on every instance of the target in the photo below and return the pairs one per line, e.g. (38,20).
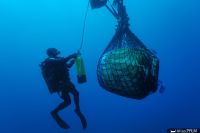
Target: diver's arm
(72,56)
(54,60)
(71,63)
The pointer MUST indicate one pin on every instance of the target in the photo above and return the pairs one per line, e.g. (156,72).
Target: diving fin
(59,121)
(82,118)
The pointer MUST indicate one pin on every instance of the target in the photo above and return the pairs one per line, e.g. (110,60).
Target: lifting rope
(112,10)
(84,23)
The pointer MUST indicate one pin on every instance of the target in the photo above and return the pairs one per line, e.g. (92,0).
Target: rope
(84,22)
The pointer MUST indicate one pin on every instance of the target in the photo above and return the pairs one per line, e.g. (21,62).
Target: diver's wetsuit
(58,70)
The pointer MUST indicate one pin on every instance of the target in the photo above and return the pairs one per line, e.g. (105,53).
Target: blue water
(29,27)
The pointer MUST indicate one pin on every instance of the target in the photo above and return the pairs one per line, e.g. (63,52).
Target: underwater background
(29,27)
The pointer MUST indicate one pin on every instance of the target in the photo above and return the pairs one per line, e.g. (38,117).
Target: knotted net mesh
(127,67)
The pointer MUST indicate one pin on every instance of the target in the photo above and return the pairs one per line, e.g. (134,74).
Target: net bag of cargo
(127,67)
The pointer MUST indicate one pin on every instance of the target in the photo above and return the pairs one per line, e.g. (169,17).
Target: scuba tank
(49,75)
(80,69)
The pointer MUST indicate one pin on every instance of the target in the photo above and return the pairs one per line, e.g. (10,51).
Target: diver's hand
(71,57)
(78,53)
(75,55)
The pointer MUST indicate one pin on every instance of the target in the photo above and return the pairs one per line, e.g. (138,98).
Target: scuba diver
(55,71)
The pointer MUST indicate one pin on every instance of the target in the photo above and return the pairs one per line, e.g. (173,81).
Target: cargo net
(127,67)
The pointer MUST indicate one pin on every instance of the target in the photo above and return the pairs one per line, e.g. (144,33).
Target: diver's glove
(74,55)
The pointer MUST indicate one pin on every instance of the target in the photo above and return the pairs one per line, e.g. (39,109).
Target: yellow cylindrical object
(80,68)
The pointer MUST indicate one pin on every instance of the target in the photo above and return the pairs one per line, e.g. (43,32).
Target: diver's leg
(82,118)
(75,94)
(65,96)
(62,105)
(58,120)
(67,101)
